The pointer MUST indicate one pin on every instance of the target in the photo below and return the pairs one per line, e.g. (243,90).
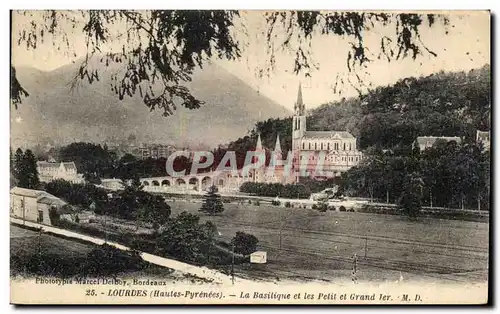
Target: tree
(212,203)
(25,169)
(153,209)
(161,48)
(18,162)
(244,243)
(411,198)
(185,238)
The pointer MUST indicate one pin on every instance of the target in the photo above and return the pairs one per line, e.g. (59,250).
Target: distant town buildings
(484,138)
(35,205)
(424,142)
(50,171)
(154,151)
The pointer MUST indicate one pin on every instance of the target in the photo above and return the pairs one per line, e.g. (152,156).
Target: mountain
(93,113)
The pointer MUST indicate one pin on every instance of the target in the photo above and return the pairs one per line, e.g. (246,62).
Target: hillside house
(50,171)
(424,142)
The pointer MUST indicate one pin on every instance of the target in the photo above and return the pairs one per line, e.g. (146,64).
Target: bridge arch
(165,183)
(206,182)
(155,183)
(145,183)
(180,182)
(220,181)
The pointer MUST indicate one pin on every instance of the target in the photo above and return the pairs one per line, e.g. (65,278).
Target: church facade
(330,152)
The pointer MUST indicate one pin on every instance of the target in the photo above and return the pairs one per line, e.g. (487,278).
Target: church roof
(327,134)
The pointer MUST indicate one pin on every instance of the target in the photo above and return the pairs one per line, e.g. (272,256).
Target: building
(424,142)
(154,151)
(112,184)
(35,205)
(484,138)
(334,151)
(50,171)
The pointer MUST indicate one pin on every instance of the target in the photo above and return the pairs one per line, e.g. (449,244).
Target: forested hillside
(391,117)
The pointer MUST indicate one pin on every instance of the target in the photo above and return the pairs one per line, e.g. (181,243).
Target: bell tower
(298,121)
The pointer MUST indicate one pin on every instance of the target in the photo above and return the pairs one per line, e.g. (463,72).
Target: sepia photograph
(250,157)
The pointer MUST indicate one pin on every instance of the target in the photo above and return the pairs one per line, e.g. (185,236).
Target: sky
(466,46)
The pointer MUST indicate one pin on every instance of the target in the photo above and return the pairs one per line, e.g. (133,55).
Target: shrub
(342,209)
(275,203)
(288,205)
(108,260)
(331,207)
(256,203)
(212,203)
(244,243)
(276,189)
(322,207)
(54,216)
(314,206)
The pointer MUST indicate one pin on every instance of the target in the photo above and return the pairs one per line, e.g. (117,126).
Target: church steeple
(299,104)
(259,144)
(277,147)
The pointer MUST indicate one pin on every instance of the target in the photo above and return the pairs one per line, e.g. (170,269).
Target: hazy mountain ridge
(93,113)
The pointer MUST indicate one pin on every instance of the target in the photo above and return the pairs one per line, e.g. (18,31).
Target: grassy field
(24,243)
(318,245)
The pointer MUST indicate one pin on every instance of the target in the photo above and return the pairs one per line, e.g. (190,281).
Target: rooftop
(31,193)
(432,139)
(67,165)
(327,134)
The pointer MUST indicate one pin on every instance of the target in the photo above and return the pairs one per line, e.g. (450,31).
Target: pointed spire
(277,147)
(299,104)
(299,96)
(259,143)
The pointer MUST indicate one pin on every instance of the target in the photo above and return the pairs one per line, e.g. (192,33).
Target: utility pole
(23,203)
(281,226)
(366,244)
(354,268)
(232,264)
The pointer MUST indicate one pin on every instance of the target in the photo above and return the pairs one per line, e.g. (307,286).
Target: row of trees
(447,175)
(132,203)
(23,169)
(276,189)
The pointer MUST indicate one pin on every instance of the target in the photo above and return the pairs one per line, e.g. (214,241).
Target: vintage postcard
(250,157)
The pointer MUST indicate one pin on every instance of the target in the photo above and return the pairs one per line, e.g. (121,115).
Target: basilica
(334,151)
(316,154)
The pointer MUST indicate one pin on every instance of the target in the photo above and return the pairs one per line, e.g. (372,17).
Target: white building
(484,138)
(35,205)
(112,184)
(50,171)
(424,142)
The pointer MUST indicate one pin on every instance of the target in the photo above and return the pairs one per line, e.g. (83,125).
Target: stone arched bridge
(224,181)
